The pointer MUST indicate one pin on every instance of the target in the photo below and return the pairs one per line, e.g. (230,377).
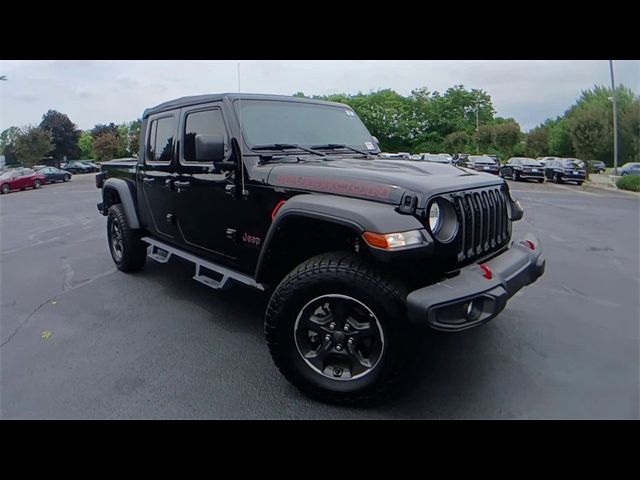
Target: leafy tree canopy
(64,134)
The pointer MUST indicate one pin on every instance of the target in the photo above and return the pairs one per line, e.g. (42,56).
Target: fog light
(474,309)
(469,309)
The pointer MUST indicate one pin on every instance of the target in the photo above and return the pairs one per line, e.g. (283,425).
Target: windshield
(266,122)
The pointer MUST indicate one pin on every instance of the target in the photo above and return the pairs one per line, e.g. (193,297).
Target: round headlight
(443,221)
(435,218)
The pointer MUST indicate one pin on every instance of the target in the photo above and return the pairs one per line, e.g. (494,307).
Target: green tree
(123,138)
(8,144)
(100,128)
(86,145)
(590,132)
(590,121)
(505,137)
(537,142)
(560,144)
(106,146)
(630,133)
(33,144)
(133,137)
(64,133)
(457,142)
(484,138)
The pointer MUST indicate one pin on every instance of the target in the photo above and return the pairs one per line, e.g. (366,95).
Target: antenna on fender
(239,147)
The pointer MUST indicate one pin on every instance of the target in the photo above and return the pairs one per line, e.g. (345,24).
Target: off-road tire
(134,252)
(345,274)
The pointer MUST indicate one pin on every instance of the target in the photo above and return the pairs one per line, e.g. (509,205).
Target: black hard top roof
(197,99)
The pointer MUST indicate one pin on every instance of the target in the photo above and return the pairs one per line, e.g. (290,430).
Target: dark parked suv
(482,163)
(522,168)
(291,197)
(596,166)
(563,170)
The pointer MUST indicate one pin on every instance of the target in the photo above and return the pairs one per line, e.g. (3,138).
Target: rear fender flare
(126,199)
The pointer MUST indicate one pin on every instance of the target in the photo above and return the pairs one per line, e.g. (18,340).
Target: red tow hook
(531,244)
(488,274)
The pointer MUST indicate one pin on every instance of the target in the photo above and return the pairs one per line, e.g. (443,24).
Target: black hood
(380,180)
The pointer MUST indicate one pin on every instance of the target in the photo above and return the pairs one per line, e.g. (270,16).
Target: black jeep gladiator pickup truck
(290,196)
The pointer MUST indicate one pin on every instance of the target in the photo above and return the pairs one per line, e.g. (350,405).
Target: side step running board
(161,252)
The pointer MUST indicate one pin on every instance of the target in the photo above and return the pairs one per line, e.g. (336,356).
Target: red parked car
(20,179)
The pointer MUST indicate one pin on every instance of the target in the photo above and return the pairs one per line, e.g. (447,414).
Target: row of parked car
(556,169)
(21,178)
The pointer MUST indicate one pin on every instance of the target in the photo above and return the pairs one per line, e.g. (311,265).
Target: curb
(610,189)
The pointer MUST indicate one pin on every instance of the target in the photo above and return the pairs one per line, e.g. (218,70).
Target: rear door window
(161,140)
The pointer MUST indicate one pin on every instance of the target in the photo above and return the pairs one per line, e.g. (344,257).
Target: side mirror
(210,148)
(375,139)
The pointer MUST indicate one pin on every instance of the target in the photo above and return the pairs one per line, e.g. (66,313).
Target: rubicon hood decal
(353,188)
(382,181)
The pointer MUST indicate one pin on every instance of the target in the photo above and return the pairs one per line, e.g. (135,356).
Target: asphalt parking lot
(81,340)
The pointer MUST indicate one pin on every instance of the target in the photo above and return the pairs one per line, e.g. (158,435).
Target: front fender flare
(356,214)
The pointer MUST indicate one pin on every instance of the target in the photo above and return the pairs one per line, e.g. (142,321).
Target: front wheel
(66,178)
(557,178)
(336,328)
(127,250)
(5,188)
(540,180)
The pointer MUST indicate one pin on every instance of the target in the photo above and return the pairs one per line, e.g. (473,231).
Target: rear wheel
(540,180)
(129,253)
(337,329)
(557,178)
(37,184)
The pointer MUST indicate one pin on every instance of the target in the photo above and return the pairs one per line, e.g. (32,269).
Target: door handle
(148,180)
(181,184)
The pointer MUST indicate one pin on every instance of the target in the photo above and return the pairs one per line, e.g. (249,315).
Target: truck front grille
(483,222)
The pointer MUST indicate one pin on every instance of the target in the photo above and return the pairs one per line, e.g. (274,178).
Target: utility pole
(477,131)
(615,121)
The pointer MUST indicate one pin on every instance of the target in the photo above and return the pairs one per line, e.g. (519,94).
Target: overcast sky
(91,92)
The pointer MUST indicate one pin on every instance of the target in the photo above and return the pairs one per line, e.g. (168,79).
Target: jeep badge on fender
(354,250)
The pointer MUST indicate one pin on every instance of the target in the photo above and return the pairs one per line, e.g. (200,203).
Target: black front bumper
(471,299)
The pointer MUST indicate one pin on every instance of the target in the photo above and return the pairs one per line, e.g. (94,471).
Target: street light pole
(477,131)
(615,121)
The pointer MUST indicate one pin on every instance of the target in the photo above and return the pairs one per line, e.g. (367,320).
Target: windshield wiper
(286,146)
(336,146)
